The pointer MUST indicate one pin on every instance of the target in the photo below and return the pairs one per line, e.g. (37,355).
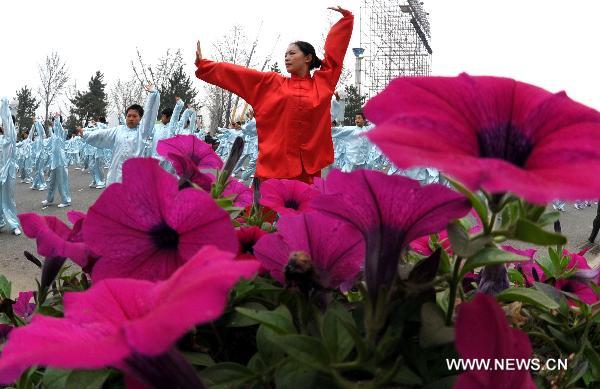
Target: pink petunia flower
(242,194)
(532,272)
(391,212)
(122,322)
(55,239)
(146,227)
(247,238)
(482,332)
(287,197)
(189,173)
(190,148)
(490,133)
(23,307)
(334,249)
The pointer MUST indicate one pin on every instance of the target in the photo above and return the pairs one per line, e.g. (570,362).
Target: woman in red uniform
(292,113)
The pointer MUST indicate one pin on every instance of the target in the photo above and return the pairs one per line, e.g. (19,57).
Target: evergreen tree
(354,104)
(91,104)
(26,109)
(179,84)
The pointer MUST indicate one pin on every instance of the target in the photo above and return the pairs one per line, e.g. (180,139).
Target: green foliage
(179,84)
(90,104)
(354,104)
(28,104)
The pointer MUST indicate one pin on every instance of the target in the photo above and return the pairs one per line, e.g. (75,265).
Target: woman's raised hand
(198,51)
(338,9)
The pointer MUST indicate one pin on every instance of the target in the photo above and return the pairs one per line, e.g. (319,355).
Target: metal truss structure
(395,36)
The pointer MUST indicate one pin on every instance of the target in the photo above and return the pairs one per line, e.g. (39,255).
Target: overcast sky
(549,43)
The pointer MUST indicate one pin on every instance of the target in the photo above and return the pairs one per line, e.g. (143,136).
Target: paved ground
(576,224)
(13,264)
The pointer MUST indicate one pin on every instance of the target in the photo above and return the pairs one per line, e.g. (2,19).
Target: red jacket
(293,115)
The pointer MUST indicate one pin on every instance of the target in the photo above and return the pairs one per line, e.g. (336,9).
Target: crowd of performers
(295,130)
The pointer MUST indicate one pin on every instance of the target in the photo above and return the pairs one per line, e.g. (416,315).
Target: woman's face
(295,60)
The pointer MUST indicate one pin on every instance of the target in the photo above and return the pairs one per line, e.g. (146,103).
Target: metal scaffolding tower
(396,37)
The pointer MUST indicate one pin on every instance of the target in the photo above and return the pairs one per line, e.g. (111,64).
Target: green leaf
(198,359)
(577,373)
(529,296)
(459,238)
(527,231)
(510,214)
(336,338)
(269,351)
(306,350)
(292,375)
(227,375)
(556,295)
(434,331)
(279,320)
(490,256)
(88,379)
(55,378)
(594,360)
(5,287)
(478,203)
(237,319)
(516,277)
(407,377)
(548,218)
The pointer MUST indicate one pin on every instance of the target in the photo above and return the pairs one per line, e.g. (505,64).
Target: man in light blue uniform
(59,175)
(166,128)
(8,170)
(250,152)
(127,141)
(38,157)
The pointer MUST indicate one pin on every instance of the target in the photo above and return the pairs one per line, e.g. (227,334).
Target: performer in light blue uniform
(250,152)
(8,170)
(357,146)
(38,156)
(59,175)
(127,141)
(166,127)
(187,124)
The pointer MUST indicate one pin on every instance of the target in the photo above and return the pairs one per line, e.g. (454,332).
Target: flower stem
(453,287)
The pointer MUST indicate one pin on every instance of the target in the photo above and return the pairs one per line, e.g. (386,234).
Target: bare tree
(159,73)
(54,76)
(123,93)
(233,47)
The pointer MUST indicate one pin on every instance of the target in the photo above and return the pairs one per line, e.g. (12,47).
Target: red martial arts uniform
(293,115)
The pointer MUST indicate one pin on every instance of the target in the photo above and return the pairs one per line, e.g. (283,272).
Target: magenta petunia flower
(391,212)
(532,272)
(190,147)
(23,307)
(333,248)
(490,133)
(287,196)
(117,322)
(55,239)
(247,238)
(146,227)
(575,285)
(482,332)
(242,194)
(188,172)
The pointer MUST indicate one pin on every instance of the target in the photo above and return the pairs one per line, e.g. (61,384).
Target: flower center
(505,142)
(164,237)
(292,203)
(248,246)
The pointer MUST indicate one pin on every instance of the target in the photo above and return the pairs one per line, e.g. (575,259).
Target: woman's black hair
(307,49)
